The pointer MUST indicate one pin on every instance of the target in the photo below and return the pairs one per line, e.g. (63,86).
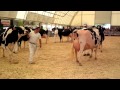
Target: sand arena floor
(53,62)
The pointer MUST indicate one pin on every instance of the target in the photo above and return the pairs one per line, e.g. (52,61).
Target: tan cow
(83,41)
(88,52)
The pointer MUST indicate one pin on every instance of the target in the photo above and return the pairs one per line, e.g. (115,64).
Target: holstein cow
(63,32)
(25,37)
(84,40)
(95,32)
(11,37)
(44,33)
(102,36)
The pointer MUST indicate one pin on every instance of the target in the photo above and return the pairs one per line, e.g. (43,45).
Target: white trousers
(32,49)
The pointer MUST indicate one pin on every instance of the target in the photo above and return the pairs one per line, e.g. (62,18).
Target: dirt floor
(53,62)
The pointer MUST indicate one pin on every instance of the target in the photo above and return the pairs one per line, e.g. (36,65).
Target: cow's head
(23,28)
(19,30)
(27,30)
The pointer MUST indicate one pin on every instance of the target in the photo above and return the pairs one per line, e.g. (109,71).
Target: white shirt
(34,37)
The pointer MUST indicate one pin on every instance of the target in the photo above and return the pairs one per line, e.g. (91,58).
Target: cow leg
(67,38)
(24,44)
(70,36)
(91,53)
(46,38)
(15,49)
(77,58)
(20,45)
(55,38)
(3,47)
(101,47)
(82,45)
(95,53)
(11,56)
(60,36)
(3,52)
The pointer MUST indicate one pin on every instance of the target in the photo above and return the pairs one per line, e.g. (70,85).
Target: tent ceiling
(74,18)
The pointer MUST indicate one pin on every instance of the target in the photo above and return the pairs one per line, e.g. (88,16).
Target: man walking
(33,38)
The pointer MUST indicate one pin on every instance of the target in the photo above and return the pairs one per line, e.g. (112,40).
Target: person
(34,36)
(101,32)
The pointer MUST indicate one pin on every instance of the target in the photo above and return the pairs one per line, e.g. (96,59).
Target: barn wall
(102,17)
(88,19)
(115,20)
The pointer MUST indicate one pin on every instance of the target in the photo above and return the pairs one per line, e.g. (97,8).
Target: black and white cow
(95,34)
(25,37)
(62,32)
(102,36)
(44,33)
(9,41)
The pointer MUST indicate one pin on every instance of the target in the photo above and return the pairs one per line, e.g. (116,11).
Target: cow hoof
(88,54)
(84,54)
(15,62)
(95,58)
(101,51)
(80,64)
(90,57)
(15,52)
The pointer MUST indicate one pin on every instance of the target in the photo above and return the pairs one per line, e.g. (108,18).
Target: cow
(44,33)
(67,32)
(102,36)
(9,38)
(95,32)
(84,40)
(25,37)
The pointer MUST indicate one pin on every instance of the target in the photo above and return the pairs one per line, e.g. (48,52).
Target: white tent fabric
(73,18)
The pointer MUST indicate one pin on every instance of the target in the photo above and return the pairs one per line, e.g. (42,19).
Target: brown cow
(83,40)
